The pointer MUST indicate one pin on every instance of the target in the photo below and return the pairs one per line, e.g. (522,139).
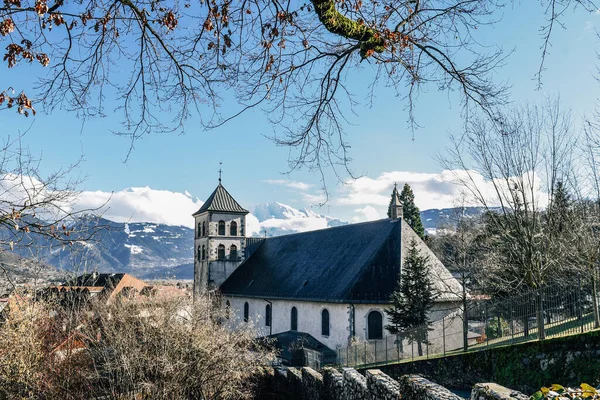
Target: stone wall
(526,367)
(493,391)
(415,387)
(308,384)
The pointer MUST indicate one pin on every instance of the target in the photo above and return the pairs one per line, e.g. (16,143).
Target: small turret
(396,206)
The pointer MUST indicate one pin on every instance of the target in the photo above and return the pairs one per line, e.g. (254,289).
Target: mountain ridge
(152,250)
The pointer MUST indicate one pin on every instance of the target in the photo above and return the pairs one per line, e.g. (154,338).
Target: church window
(233,228)
(294,321)
(198,234)
(222,228)
(268,315)
(199,254)
(325,322)
(221,252)
(233,252)
(375,325)
(246,311)
(203,229)
(203,252)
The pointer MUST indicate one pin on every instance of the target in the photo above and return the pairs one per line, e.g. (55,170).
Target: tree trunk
(419,348)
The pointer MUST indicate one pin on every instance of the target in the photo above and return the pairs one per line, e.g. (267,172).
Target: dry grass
(150,348)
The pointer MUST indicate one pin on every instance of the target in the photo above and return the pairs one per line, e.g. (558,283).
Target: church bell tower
(220,239)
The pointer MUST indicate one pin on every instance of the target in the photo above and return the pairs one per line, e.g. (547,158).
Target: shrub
(150,348)
(556,391)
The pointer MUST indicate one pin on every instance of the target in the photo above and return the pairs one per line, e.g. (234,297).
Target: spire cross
(220,163)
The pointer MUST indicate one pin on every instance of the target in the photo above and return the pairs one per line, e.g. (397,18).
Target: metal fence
(550,311)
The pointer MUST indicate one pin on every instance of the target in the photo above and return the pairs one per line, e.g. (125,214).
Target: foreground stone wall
(526,367)
(493,391)
(308,384)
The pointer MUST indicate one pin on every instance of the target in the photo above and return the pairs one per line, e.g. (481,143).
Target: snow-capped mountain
(279,219)
(153,250)
(435,218)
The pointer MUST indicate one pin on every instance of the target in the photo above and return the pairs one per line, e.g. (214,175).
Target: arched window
(325,322)
(246,311)
(199,233)
(203,228)
(222,228)
(233,228)
(203,252)
(227,309)
(221,252)
(375,325)
(233,252)
(268,315)
(294,321)
(199,254)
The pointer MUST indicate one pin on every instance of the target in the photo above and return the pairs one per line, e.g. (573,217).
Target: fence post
(444,333)
(356,354)
(348,355)
(579,303)
(412,350)
(386,349)
(375,344)
(427,341)
(365,352)
(540,316)
(485,317)
(512,321)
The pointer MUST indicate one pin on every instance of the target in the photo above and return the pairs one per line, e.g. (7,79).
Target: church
(332,284)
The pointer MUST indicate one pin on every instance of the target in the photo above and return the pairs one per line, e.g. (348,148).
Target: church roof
(221,200)
(351,263)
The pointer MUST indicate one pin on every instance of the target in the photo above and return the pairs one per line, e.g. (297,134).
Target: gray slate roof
(104,280)
(351,263)
(221,200)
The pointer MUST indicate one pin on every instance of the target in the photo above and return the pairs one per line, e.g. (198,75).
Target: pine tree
(412,300)
(410,211)
(559,212)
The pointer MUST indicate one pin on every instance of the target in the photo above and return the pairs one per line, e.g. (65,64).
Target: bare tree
(512,168)
(293,59)
(456,244)
(38,212)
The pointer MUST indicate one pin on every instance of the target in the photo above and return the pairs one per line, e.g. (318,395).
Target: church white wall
(309,318)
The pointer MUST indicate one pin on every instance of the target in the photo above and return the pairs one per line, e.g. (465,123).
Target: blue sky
(380,139)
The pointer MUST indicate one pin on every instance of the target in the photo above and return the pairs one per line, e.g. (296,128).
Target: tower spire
(220,171)
(396,206)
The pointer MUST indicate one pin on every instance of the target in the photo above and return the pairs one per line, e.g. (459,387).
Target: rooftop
(221,200)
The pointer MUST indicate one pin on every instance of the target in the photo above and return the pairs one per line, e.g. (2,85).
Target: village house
(96,285)
(332,284)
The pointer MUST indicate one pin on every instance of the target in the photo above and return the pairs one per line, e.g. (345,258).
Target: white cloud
(367,213)
(432,190)
(142,204)
(302,186)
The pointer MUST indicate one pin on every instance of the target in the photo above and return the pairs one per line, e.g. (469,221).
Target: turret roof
(396,197)
(221,200)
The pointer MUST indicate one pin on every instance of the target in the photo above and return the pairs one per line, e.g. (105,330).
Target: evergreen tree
(412,300)
(559,212)
(410,211)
